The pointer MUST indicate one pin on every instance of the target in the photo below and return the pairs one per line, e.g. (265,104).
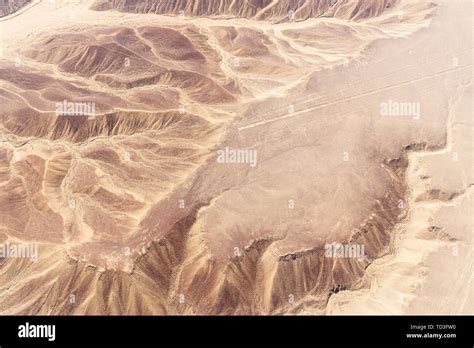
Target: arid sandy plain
(236,157)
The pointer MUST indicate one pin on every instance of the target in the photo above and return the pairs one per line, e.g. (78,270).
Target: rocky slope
(277,11)
(130,206)
(11,6)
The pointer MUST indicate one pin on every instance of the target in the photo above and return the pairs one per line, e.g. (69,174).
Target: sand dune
(277,11)
(11,6)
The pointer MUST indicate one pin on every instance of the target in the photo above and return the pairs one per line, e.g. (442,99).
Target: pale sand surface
(429,267)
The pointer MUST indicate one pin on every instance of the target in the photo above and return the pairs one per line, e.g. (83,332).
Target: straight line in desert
(319,106)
